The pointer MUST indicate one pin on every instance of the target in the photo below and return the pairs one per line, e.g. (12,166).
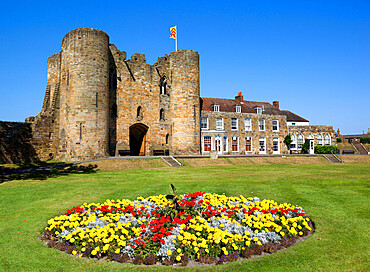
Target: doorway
(137,139)
(218,144)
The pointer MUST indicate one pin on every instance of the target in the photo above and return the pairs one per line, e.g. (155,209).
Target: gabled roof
(226,105)
(292,117)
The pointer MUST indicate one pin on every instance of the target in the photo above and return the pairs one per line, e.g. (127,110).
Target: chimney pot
(276,104)
(239,97)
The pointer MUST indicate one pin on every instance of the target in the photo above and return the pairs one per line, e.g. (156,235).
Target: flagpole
(176,37)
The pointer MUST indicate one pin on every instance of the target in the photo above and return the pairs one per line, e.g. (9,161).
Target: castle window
(96,99)
(167,138)
(207,143)
(248,124)
(319,139)
(248,144)
(238,109)
(261,124)
(275,125)
(216,108)
(234,123)
(225,144)
(293,145)
(203,122)
(161,115)
(300,140)
(275,145)
(327,139)
(50,135)
(235,144)
(163,85)
(219,123)
(139,112)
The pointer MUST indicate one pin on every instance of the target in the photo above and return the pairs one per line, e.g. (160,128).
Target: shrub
(365,140)
(325,149)
(339,140)
(305,147)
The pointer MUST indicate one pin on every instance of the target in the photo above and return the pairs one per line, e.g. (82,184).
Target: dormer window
(259,110)
(216,108)
(238,109)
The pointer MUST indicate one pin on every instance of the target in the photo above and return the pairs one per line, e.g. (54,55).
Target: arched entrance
(137,139)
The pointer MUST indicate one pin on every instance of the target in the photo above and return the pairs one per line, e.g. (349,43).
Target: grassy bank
(335,196)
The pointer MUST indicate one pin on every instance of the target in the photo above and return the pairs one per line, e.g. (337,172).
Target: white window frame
(325,139)
(259,110)
(225,144)
(231,124)
(250,124)
(251,151)
(259,146)
(294,141)
(204,118)
(238,109)
(203,138)
(300,141)
(276,139)
(237,142)
(263,124)
(277,125)
(216,108)
(222,123)
(320,139)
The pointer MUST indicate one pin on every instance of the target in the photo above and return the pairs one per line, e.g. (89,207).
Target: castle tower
(84,95)
(185,102)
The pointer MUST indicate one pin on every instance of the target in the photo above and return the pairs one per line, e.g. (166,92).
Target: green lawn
(335,196)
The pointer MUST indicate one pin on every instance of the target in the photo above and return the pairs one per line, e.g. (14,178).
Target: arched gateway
(137,139)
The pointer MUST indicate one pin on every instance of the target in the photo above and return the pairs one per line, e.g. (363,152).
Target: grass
(335,196)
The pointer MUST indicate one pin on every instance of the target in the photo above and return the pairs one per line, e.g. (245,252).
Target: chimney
(239,97)
(276,104)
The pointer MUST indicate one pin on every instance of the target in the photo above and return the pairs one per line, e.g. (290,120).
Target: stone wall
(16,143)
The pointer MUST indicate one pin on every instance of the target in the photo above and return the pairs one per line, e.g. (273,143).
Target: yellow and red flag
(173,32)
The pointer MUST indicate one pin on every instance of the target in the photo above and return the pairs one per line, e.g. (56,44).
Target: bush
(325,149)
(339,140)
(305,147)
(365,140)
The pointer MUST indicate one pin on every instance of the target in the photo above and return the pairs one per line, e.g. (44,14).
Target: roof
(290,116)
(228,105)
(357,135)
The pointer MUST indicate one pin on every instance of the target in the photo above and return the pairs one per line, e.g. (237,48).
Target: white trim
(216,108)
(222,123)
(238,109)
(225,143)
(294,141)
(300,144)
(231,123)
(277,125)
(204,117)
(203,151)
(276,139)
(259,146)
(264,125)
(251,139)
(250,124)
(319,136)
(327,134)
(233,139)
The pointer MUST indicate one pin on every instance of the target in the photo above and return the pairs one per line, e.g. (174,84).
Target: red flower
(162,241)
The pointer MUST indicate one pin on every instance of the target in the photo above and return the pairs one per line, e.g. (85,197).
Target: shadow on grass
(43,171)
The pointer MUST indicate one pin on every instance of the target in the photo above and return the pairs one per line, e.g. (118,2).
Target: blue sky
(312,56)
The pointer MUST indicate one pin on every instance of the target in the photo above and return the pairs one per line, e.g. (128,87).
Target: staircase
(332,158)
(360,148)
(171,161)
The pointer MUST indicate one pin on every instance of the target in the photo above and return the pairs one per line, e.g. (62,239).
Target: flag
(173,32)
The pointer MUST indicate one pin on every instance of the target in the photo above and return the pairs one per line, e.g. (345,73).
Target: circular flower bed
(175,229)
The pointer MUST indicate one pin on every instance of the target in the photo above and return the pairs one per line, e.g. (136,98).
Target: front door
(312,148)
(218,145)
(262,145)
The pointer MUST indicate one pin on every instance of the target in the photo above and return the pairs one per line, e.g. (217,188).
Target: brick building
(98,103)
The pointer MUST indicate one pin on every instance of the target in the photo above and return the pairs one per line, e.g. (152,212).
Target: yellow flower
(93,252)
(83,249)
(282,233)
(178,258)
(255,239)
(74,252)
(178,250)
(169,252)
(117,250)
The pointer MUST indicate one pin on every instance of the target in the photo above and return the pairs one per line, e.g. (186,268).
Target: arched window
(319,139)
(139,112)
(161,115)
(327,139)
(167,138)
(300,140)
(310,136)
(293,145)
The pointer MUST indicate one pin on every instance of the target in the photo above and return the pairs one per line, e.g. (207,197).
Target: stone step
(171,161)
(360,148)
(332,158)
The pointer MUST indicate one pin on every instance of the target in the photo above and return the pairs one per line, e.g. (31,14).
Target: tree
(288,141)
(305,147)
